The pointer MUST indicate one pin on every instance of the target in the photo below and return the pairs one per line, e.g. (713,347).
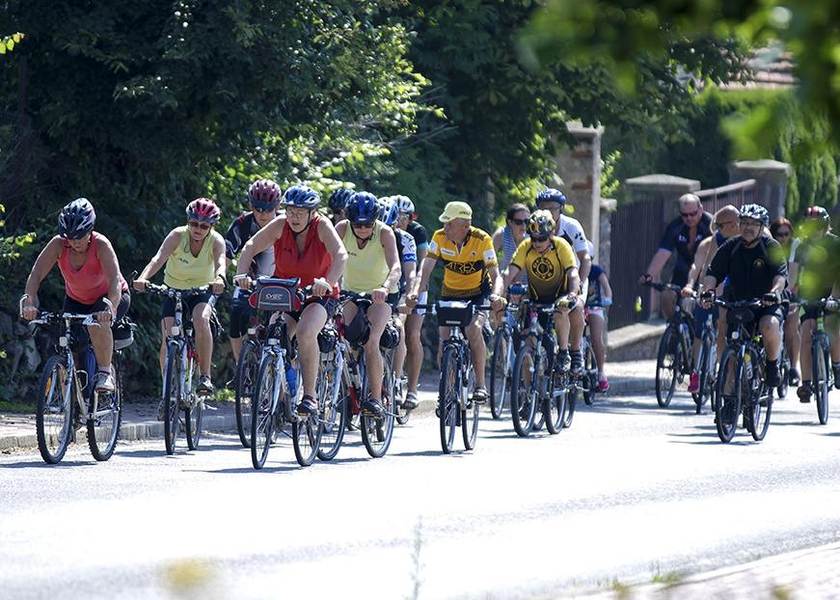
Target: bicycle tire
(470,417)
(727,411)
(758,403)
(524,394)
(247,368)
(590,369)
(820,366)
(500,371)
(448,393)
(193,409)
(784,370)
(554,407)
(262,413)
(572,394)
(53,446)
(306,438)
(172,398)
(103,440)
(334,417)
(668,361)
(706,378)
(377,432)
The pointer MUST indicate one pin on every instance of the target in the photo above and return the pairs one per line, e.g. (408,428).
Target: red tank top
(87,284)
(313,262)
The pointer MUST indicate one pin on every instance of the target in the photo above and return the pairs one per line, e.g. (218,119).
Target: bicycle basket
(271,294)
(123,333)
(454,312)
(390,337)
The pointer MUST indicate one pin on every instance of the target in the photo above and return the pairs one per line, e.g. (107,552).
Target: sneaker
(576,362)
(603,385)
(564,360)
(479,395)
(835,367)
(793,377)
(804,392)
(410,402)
(205,386)
(308,406)
(772,375)
(373,407)
(105,382)
(694,382)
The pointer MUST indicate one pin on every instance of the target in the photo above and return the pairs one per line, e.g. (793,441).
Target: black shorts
(167,309)
(679,277)
(240,314)
(329,303)
(74,306)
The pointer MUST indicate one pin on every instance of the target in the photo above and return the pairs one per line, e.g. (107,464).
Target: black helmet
(76,219)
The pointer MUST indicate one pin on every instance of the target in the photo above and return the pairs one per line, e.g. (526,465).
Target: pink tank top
(87,284)
(314,261)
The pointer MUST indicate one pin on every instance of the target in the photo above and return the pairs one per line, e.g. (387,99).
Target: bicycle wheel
(500,371)
(469,416)
(103,429)
(378,431)
(524,397)
(590,369)
(706,363)
(262,413)
(573,394)
(246,376)
(668,361)
(784,370)
(448,397)
(820,368)
(758,401)
(554,407)
(727,396)
(306,438)
(334,417)
(53,415)
(400,413)
(193,411)
(172,397)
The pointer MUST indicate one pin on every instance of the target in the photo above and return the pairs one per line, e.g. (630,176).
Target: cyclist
(373,267)
(407,251)
(682,236)
(92,281)
(507,239)
(552,272)
(338,204)
(753,264)
(782,231)
(306,246)
(263,200)
(570,230)
(599,298)
(194,255)
(414,321)
(816,280)
(470,273)
(725,226)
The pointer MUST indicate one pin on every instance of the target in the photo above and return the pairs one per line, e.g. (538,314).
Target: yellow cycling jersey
(465,267)
(546,270)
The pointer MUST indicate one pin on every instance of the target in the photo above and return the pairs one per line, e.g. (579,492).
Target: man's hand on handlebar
(411,300)
(28,310)
(379,295)
(770,298)
(497,303)
(140,284)
(687,292)
(321,287)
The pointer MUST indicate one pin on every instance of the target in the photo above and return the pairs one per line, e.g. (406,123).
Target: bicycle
(673,357)
(538,375)
(377,431)
(740,388)
(590,367)
(67,398)
(503,354)
(706,363)
(180,373)
(273,407)
(331,386)
(823,375)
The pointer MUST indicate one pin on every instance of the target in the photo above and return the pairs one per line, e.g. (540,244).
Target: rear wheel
(193,411)
(448,398)
(759,402)
(727,396)
(262,413)
(334,416)
(784,370)
(53,416)
(821,365)
(469,417)
(668,361)
(172,398)
(103,429)
(500,371)
(246,378)
(524,395)
(590,369)
(707,365)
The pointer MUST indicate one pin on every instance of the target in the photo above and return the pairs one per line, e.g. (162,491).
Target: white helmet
(404,204)
(755,211)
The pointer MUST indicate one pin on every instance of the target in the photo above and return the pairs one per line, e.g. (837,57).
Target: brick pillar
(580,169)
(771,177)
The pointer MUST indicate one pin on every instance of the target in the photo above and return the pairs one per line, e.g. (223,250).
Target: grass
(17,407)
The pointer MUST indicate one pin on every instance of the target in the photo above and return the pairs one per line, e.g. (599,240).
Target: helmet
(203,209)
(264,194)
(551,195)
(76,219)
(390,210)
(339,199)
(404,205)
(363,208)
(301,196)
(818,212)
(755,211)
(541,224)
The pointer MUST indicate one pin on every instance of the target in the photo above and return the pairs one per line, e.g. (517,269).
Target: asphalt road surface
(630,493)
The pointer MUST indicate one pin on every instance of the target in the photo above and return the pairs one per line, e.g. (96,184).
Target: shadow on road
(39,464)
(239,470)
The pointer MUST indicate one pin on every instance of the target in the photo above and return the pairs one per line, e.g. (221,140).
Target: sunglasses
(197,225)
(364,225)
(264,210)
(689,215)
(519,221)
(541,238)
(783,234)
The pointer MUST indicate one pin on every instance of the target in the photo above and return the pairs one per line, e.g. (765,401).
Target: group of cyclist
(366,247)
(737,254)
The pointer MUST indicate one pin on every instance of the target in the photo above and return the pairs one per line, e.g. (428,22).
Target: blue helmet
(301,196)
(390,210)
(551,195)
(339,199)
(363,208)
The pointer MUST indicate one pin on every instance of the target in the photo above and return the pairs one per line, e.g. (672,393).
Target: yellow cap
(456,210)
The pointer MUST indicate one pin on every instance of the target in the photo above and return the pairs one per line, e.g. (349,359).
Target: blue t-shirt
(676,240)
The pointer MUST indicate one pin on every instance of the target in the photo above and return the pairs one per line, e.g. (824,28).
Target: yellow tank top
(366,267)
(183,270)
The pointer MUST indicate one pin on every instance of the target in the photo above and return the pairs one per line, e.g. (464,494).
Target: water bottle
(291,379)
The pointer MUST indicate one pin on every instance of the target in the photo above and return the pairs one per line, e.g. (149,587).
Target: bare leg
(378,315)
(203,337)
(805,352)
(596,326)
(478,350)
(312,321)
(414,348)
(102,341)
(236,347)
(772,334)
(401,350)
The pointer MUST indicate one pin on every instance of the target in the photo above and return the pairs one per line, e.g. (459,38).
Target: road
(630,494)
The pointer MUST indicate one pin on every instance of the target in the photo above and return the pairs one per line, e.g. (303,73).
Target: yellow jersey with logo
(546,270)
(183,270)
(465,266)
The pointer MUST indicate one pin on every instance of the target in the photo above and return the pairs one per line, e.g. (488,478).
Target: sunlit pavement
(629,495)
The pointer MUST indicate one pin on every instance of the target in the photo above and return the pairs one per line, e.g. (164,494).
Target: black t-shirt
(750,270)
(817,260)
(418,232)
(594,297)
(676,240)
(241,230)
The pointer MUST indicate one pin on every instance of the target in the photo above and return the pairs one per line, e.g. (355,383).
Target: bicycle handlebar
(661,287)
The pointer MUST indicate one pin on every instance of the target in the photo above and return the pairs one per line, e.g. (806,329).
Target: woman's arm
(43,265)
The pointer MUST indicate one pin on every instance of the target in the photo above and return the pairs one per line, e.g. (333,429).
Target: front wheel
(524,395)
(758,399)
(500,371)
(668,361)
(193,410)
(469,417)
(334,416)
(448,398)
(378,431)
(103,429)
(821,365)
(707,367)
(53,416)
(590,368)
(262,413)
(245,381)
(172,398)
(554,407)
